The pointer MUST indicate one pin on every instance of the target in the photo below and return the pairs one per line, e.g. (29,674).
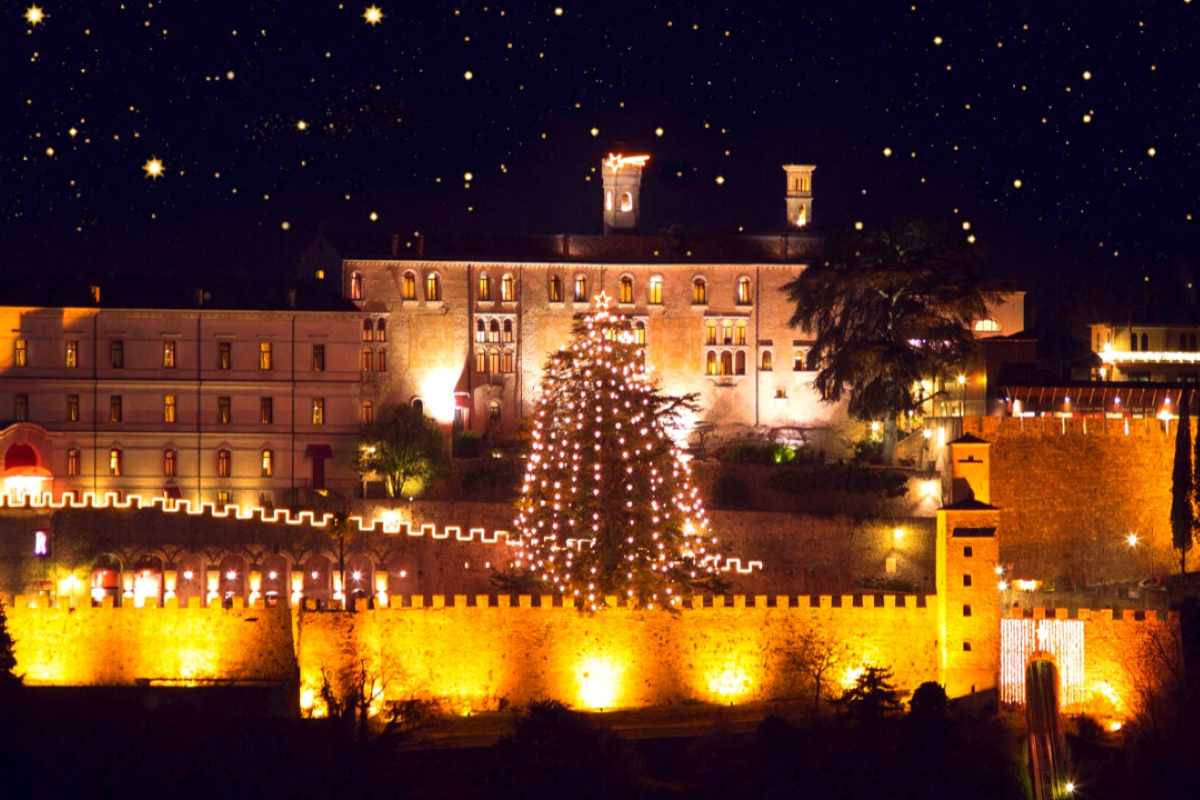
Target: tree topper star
(153,168)
(373,15)
(34,15)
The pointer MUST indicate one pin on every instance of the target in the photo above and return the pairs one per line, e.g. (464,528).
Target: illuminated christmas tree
(607,506)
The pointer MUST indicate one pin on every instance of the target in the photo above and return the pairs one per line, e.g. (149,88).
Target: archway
(24,475)
(147,580)
(318,578)
(275,579)
(106,580)
(232,579)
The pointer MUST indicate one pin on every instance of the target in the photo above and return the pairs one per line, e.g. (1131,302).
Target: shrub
(848,478)
(731,492)
(491,477)
(467,445)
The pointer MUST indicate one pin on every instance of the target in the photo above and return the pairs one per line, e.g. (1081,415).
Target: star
(153,168)
(373,15)
(34,15)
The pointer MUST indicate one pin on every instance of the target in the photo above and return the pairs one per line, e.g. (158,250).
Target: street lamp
(962,389)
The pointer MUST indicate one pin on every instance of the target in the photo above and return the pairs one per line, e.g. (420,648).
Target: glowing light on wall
(1020,639)
(599,680)
(437,393)
(851,676)
(729,684)
(617,161)
(1110,356)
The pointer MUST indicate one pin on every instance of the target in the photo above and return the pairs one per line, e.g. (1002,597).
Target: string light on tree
(607,506)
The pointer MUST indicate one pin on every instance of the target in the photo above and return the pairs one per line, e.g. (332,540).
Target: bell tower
(799,195)
(622,187)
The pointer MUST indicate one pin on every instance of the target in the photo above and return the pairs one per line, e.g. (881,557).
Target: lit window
(72,408)
(494,361)
(508,288)
(608,200)
(74,462)
(508,331)
(114,462)
(987,326)
(626,201)
(21,407)
(699,292)
(116,352)
(356,286)
(494,412)
(766,361)
(494,331)
(318,358)
(381,330)
(727,332)
(265,360)
(741,333)
(743,291)
(433,287)
(506,361)
(485,286)
(224,498)
(726,363)
(21,353)
(365,359)
(480,331)
(266,410)
(366,413)
(170,463)
(224,463)
(72,357)
(555,290)
(267,463)
(224,355)
(581,289)
(381,361)
(710,363)
(168,360)
(168,408)
(481,361)
(710,332)
(224,410)
(408,287)
(318,411)
(625,289)
(654,297)
(115,409)
(639,332)
(41,543)
(368,330)
(739,363)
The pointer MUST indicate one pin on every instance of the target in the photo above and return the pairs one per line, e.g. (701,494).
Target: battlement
(1086,614)
(997,429)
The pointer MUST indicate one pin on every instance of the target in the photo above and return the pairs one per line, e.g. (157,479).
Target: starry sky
(175,137)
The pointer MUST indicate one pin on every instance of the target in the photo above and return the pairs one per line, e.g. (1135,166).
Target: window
(494,361)
(368,330)
(168,408)
(726,363)
(494,412)
(366,359)
(21,353)
(1145,343)
(318,411)
(265,360)
(381,330)
(381,360)
(987,326)
(366,412)
(726,332)
(266,411)
(639,332)
(21,407)
(739,363)
(72,408)
(508,288)
(170,463)
(168,360)
(743,291)
(889,565)
(506,361)
(408,287)
(741,333)
(654,296)
(114,462)
(318,358)
(74,462)
(781,394)
(224,355)
(625,289)
(966,647)
(626,201)
(608,200)
(699,292)
(224,410)
(966,610)
(1133,341)
(356,286)
(967,552)
(433,287)
(481,361)
(581,289)
(224,463)
(224,498)
(555,290)
(966,580)
(710,363)
(267,463)
(116,354)
(115,410)
(494,331)
(508,331)
(710,332)
(480,331)
(72,357)
(485,286)
(766,361)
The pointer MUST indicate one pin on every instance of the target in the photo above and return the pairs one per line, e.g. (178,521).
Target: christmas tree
(607,506)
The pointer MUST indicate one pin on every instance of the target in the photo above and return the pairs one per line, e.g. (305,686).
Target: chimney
(799,195)
(622,185)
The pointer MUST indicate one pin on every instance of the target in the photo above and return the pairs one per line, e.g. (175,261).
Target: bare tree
(355,700)
(816,656)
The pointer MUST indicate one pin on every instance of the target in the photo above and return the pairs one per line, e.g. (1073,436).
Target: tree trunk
(889,439)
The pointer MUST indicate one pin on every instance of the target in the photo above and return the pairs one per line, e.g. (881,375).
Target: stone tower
(799,194)
(968,552)
(622,185)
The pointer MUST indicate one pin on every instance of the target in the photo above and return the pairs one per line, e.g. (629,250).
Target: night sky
(271,119)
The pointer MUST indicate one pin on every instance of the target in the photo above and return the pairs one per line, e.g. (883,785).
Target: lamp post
(962,395)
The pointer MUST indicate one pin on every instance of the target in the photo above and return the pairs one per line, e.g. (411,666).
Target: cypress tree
(1183,517)
(8,658)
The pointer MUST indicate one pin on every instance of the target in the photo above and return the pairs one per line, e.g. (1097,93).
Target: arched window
(494,331)
(508,288)
(381,360)
(170,463)
(743,291)
(1192,341)
(368,330)
(608,200)
(366,359)
(433,288)
(739,363)
(710,363)
(480,331)
(116,461)
(699,292)
(766,361)
(987,326)
(494,361)
(481,360)
(555,290)
(508,331)
(639,332)
(266,462)
(625,289)
(356,286)
(381,330)
(74,461)
(366,412)
(726,363)
(626,201)
(741,333)
(494,412)
(408,286)
(485,286)
(1145,343)
(581,289)
(1133,341)
(506,361)
(418,404)
(224,463)
(655,291)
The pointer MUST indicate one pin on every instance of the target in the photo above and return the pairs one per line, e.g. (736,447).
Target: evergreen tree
(1183,516)
(872,698)
(607,506)
(8,657)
